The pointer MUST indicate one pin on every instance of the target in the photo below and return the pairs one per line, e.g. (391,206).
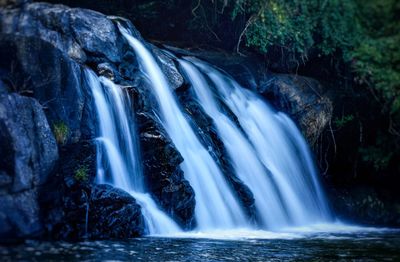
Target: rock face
(28,154)
(303,99)
(38,69)
(165,179)
(13,2)
(44,49)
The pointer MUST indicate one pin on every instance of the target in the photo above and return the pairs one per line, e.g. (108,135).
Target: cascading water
(280,147)
(117,152)
(216,204)
(243,156)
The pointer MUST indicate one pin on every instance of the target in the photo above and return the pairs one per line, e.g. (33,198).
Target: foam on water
(327,231)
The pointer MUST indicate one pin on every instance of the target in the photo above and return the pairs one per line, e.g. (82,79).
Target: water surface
(370,245)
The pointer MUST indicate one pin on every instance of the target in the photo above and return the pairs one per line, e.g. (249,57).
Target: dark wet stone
(303,99)
(102,40)
(42,71)
(163,175)
(168,67)
(12,3)
(113,213)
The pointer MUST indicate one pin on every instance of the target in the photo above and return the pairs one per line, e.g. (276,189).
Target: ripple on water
(375,245)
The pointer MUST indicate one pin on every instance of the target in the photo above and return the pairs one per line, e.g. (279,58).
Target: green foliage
(358,40)
(344,120)
(60,130)
(365,32)
(299,25)
(377,58)
(378,155)
(376,61)
(81,174)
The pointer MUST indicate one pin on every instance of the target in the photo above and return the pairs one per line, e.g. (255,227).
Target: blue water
(374,245)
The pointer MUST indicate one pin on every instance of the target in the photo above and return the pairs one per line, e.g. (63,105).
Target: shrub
(81,174)
(60,130)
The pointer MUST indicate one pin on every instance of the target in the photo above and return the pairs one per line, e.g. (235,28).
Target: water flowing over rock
(104,135)
(216,206)
(118,157)
(259,164)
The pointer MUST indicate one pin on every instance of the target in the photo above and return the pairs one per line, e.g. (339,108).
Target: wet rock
(168,67)
(303,99)
(13,3)
(51,23)
(19,216)
(247,71)
(109,71)
(113,213)
(102,40)
(129,67)
(70,30)
(28,147)
(163,175)
(28,154)
(38,69)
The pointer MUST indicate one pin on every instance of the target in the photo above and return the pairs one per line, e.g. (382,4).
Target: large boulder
(28,154)
(302,98)
(99,212)
(68,29)
(113,213)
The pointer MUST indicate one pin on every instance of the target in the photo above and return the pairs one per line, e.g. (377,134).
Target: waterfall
(117,150)
(217,206)
(275,142)
(243,156)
